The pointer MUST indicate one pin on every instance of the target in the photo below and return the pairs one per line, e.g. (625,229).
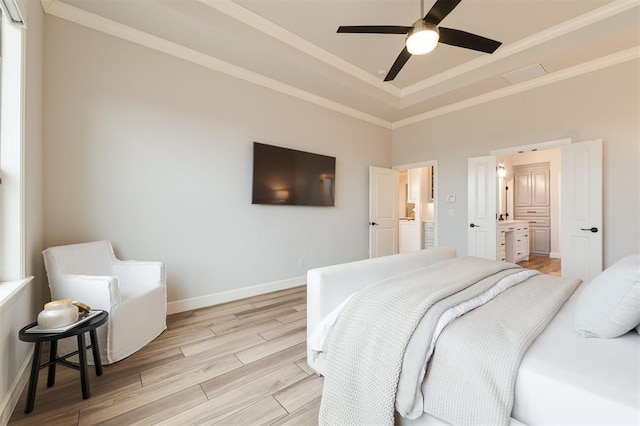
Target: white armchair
(134,294)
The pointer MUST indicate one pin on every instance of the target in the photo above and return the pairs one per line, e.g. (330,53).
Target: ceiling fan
(424,35)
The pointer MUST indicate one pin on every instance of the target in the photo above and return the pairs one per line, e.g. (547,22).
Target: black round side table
(78,331)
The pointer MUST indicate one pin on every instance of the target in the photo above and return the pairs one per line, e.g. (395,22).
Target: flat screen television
(283,176)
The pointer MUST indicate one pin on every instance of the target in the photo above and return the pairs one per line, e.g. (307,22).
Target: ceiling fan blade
(402,59)
(440,10)
(467,40)
(374,29)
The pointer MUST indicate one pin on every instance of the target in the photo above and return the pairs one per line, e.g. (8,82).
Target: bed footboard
(327,287)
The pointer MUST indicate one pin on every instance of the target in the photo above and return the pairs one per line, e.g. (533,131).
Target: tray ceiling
(292,46)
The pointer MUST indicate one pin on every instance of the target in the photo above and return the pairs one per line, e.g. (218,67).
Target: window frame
(12,143)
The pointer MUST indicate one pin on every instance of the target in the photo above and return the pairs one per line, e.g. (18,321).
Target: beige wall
(34,232)
(602,104)
(155,154)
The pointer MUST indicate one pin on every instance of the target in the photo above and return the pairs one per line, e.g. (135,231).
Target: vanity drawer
(531,211)
(539,221)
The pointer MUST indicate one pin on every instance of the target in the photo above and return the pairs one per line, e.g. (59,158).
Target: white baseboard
(10,400)
(231,295)
(555,254)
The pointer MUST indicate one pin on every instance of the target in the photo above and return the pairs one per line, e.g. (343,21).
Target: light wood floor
(242,362)
(546,265)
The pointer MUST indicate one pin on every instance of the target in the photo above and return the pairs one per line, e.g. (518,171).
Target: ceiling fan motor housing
(422,38)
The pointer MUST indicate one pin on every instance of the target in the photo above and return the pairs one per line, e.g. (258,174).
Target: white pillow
(609,306)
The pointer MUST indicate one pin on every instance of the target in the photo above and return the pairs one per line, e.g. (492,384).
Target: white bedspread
(567,379)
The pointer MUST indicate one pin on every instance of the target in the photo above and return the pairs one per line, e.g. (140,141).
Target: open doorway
(417,207)
(529,191)
(406,205)
(580,225)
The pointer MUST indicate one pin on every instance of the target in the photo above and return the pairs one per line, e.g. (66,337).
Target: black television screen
(284,176)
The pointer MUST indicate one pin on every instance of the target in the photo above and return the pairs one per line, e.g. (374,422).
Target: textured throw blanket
(472,373)
(366,348)
(476,361)
(409,397)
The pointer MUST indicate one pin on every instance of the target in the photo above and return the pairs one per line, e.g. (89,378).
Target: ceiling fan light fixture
(423,38)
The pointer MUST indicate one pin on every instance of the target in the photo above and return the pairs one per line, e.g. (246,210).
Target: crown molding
(257,22)
(559,30)
(116,29)
(585,67)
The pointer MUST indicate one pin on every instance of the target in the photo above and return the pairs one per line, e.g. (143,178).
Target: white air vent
(525,74)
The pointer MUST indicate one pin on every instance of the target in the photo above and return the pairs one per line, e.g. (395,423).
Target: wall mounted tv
(284,176)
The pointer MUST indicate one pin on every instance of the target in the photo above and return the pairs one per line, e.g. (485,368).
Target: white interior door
(383,211)
(581,218)
(482,208)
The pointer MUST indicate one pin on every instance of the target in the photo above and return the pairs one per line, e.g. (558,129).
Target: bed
(563,378)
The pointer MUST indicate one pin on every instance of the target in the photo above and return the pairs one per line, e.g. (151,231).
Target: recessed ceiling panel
(503,20)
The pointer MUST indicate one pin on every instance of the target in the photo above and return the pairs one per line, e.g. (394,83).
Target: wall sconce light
(502,171)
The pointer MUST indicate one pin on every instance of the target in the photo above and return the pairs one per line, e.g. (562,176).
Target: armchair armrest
(132,272)
(99,292)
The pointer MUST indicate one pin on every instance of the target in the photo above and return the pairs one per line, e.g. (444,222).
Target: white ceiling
(292,46)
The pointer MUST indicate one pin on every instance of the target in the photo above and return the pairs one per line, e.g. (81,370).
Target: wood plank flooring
(546,265)
(242,362)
